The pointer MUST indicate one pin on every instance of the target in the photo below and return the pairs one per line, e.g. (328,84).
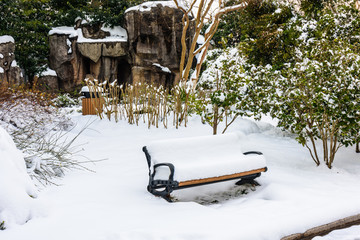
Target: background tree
(259,29)
(204,13)
(29,23)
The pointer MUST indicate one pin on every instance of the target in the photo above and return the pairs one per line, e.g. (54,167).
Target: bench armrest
(148,157)
(169,165)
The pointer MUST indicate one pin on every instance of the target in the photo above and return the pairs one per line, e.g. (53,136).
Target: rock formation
(9,71)
(155,32)
(149,49)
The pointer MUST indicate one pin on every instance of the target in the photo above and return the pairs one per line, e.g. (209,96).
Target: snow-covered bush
(39,130)
(318,93)
(16,188)
(319,98)
(228,89)
(65,100)
(315,95)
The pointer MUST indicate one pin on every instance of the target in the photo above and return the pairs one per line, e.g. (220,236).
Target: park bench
(188,162)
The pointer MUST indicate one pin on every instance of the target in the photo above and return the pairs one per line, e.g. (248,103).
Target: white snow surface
(111,202)
(146,6)
(351,233)
(6,39)
(16,187)
(203,157)
(2,70)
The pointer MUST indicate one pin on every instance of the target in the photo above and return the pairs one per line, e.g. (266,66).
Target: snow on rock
(117,34)
(214,156)
(164,69)
(2,70)
(48,72)
(6,39)
(14,63)
(16,188)
(64,30)
(146,6)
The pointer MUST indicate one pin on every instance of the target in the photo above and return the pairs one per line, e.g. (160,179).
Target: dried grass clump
(40,130)
(141,102)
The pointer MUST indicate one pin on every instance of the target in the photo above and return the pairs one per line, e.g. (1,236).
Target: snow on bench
(187,162)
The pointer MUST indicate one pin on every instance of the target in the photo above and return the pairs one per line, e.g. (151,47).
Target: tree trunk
(215,120)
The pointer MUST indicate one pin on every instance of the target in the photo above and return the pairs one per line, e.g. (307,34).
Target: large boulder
(10,72)
(65,58)
(154,32)
(149,49)
(81,51)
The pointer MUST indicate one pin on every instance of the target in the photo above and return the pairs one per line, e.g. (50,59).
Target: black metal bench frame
(168,186)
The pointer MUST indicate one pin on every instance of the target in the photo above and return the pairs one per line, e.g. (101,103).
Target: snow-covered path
(112,203)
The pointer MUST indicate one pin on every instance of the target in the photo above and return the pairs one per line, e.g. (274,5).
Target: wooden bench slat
(220,178)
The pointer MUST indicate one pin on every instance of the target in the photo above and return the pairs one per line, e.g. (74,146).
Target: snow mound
(16,188)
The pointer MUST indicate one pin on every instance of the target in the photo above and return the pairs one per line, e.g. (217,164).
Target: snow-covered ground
(111,202)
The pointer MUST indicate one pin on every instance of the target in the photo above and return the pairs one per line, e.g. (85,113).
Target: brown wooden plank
(220,178)
(89,105)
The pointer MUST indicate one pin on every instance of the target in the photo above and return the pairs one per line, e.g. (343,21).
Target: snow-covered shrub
(16,188)
(320,98)
(65,100)
(39,130)
(228,89)
(318,93)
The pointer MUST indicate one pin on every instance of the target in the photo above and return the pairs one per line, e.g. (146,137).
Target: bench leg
(162,188)
(164,193)
(249,180)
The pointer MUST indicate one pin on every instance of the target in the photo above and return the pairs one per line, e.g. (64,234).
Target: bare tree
(207,11)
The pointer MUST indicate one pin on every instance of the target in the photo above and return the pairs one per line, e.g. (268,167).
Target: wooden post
(89,106)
